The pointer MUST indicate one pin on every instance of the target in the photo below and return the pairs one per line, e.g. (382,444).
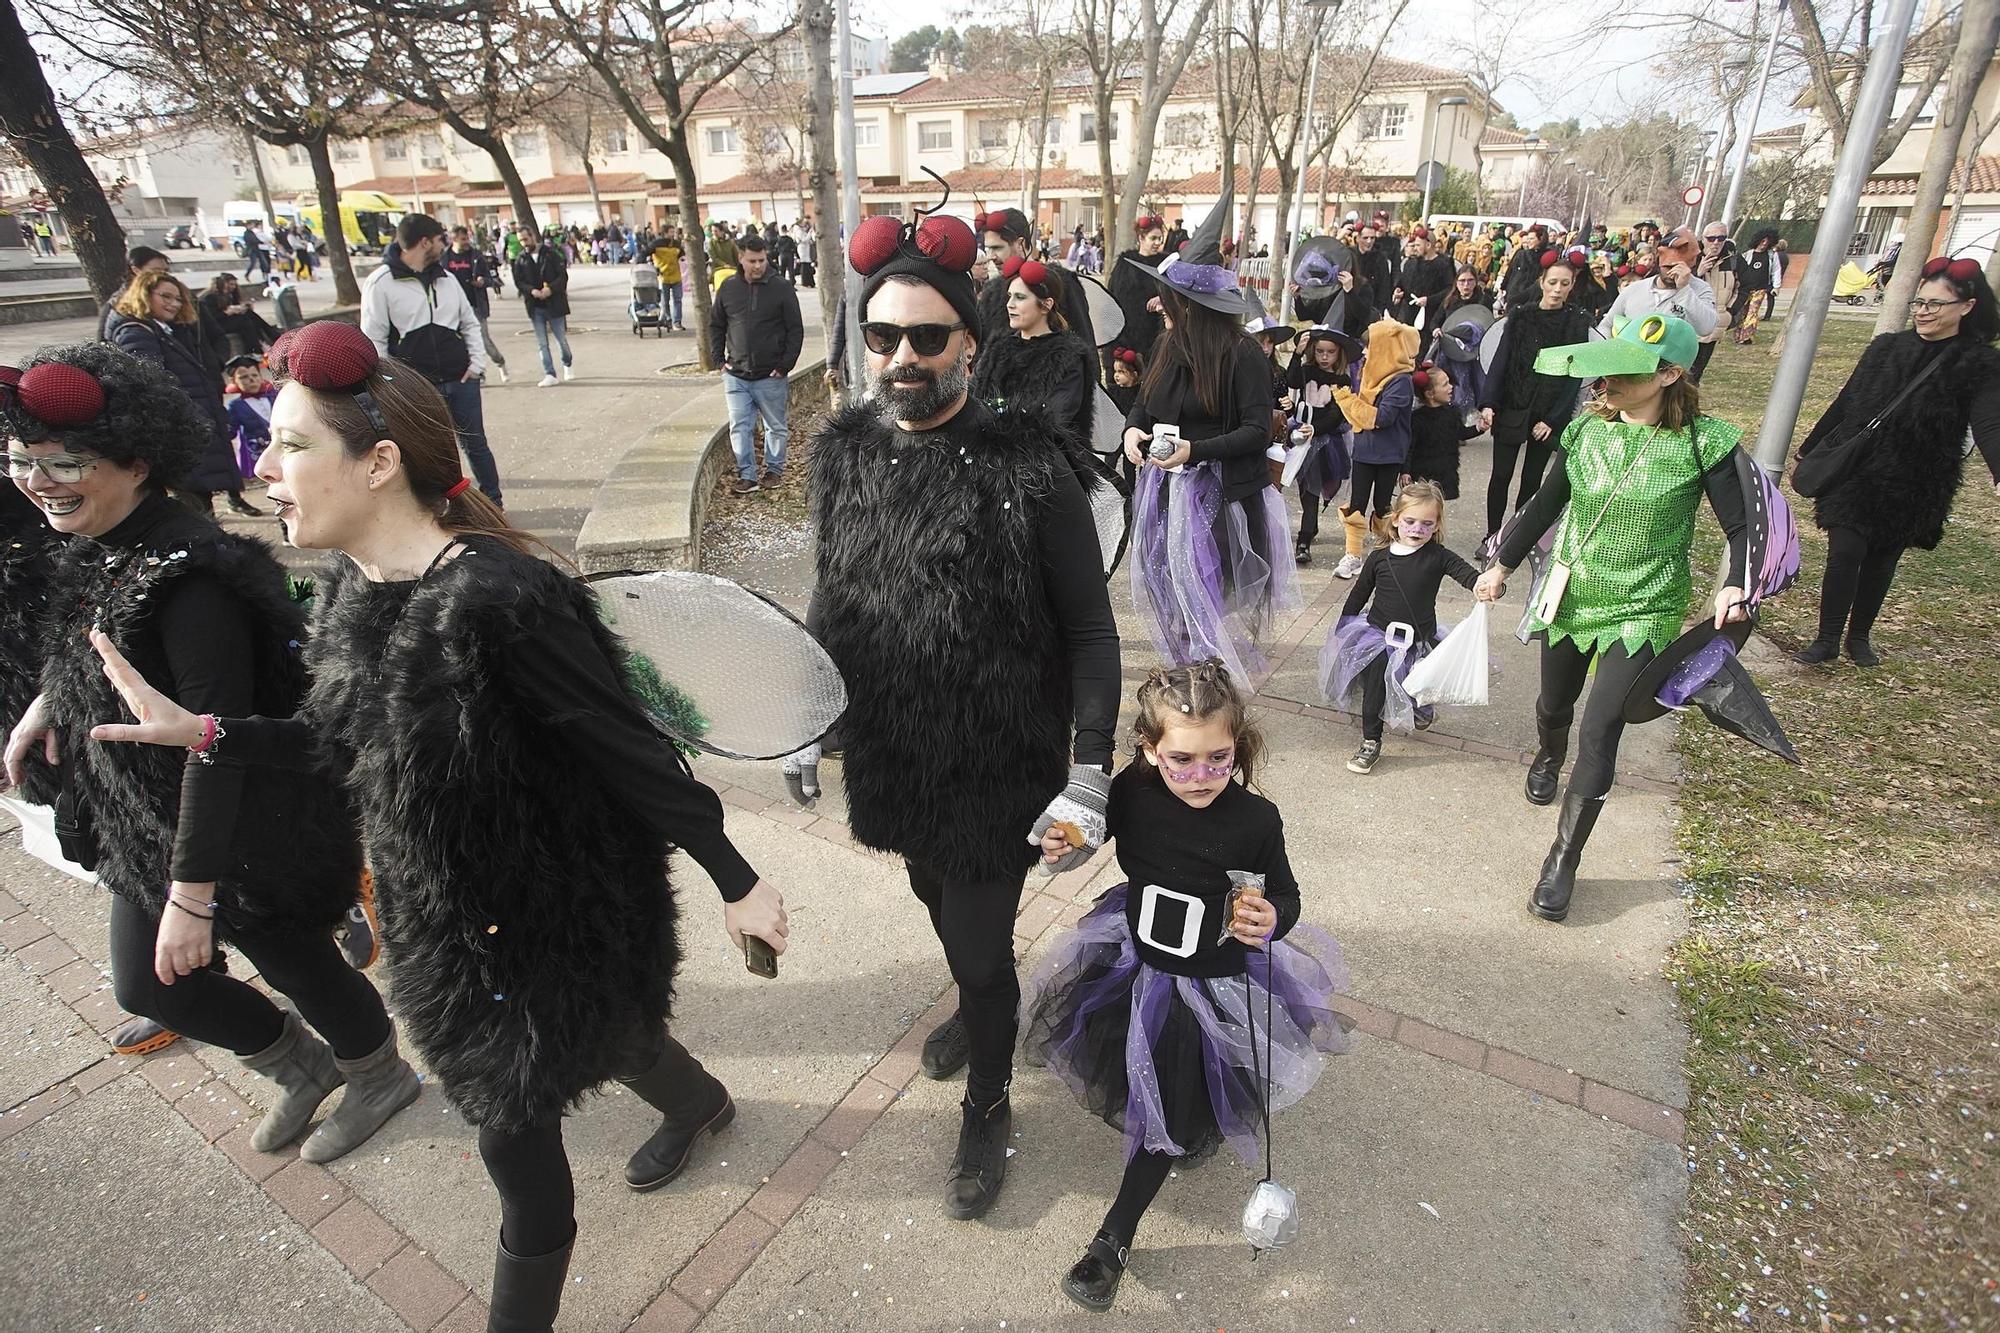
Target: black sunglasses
(927,339)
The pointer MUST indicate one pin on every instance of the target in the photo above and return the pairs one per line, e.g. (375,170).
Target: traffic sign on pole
(1693,195)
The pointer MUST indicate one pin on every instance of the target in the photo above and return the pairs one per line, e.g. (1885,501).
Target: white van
(1480,221)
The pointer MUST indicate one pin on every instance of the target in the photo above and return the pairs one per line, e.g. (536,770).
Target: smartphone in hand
(759,957)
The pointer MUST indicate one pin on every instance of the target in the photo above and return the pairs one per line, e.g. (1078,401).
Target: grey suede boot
(379,1084)
(303,1067)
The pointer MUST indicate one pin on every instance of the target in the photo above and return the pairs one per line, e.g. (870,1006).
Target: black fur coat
(930,598)
(1057,372)
(295,859)
(529,924)
(1900,492)
(27,548)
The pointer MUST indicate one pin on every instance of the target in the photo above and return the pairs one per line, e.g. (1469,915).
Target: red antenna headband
(1031,271)
(54,393)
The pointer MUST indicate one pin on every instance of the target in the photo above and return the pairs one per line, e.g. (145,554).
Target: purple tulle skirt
(1327,464)
(1168,1059)
(1210,579)
(1350,646)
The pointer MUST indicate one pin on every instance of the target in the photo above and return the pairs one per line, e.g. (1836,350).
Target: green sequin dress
(1632,582)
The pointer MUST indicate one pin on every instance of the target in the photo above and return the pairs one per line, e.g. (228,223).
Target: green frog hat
(1635,347)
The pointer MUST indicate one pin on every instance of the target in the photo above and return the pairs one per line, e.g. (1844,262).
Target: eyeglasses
(63,469)
(1722,236)
(1929,307)
(925,339)
(1199,772)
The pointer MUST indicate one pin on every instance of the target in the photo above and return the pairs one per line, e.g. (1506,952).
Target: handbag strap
(1908,389)
(1637,454)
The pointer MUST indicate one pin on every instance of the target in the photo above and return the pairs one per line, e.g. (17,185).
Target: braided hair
(1193,696)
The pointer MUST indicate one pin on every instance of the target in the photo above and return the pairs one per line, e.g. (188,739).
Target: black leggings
(975,924)
(1144,1175)
(530,1168)
(1701,356)
(1535,455)
(1309,507)
(207,1006)
(1565,667)
(1378,479)
(1858,575)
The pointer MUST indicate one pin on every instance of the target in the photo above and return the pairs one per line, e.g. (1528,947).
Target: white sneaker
(546,382)
(569,373)
(499,371)
(1348,567)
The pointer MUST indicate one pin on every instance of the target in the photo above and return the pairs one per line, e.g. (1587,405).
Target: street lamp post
(1750,131)
(850,202)
(1320,10)
(1530,143)
(1583,210)
(1436,121)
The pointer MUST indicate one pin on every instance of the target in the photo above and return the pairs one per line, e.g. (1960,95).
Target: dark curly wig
(146,417)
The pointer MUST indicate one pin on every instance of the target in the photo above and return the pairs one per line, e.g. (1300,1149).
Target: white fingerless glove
(1080,812)
(802,776)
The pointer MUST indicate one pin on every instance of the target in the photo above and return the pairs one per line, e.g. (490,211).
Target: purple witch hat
(1197,272)
(1701,668)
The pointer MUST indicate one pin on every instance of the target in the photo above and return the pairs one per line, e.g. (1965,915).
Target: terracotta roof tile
(1209,184)
(1985,180)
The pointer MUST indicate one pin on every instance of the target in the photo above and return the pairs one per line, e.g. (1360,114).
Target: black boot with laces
(979,1167)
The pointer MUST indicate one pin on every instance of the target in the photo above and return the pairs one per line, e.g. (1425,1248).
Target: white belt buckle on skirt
(1191,925)
(1399,634)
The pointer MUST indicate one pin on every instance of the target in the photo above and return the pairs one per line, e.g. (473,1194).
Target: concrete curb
(649,511)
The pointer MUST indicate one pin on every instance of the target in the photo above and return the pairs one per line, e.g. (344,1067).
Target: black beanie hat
(938,252)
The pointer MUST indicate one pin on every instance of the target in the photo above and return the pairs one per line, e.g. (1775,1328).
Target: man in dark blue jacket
(755,336)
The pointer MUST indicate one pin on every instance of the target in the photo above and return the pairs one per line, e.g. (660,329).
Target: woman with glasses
(191,851)
(1899,492)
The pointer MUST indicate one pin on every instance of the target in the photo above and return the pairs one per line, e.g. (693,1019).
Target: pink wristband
(207,735)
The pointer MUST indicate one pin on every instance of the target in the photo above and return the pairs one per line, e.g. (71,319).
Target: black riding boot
(1558,881)
(979,1167)
(1545,773)
(527,1293)
(691,1101)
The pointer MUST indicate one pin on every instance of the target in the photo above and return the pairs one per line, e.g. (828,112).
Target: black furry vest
(1057,371)
(529,926)
(930,598)
(295,860)
(1900,491)
(27,549)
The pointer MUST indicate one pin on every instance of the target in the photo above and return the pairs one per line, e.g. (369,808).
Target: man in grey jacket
(1674,290)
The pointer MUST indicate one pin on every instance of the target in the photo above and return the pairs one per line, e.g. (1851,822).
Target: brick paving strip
(426,1297)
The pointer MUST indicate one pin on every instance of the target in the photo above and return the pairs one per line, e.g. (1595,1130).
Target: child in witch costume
(1438,430)
(1628,478)
(1367,657)
(1141,1009)
(1211,572)
(960,585)
(1379,410)
(519,805)
(192,852)
(1322,367)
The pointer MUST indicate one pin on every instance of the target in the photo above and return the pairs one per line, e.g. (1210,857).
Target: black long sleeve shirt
(1404,587)
(1164,841)
(754,328)
(1236,433)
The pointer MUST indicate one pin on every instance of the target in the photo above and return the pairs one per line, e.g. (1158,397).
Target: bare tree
(1978,31)
(192,55)
(658,59)
(35,130)
(577,120)
(816,20)
(1487,54)
(1119,41)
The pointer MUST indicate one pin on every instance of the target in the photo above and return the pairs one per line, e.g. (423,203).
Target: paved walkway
(1501,1149)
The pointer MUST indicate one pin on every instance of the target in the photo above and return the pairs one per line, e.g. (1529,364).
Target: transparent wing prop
(38,837)
(1489,344)
(1109,512)
(1107,427)
(1107,317)
(719,667)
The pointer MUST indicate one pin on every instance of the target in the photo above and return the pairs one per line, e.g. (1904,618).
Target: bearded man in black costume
(961,591)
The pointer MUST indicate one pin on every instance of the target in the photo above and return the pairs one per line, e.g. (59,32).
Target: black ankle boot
(947,1048)
(1558,881)
(979,1167)
(1092,1281)
(527,1293)
(1818,651)
(693,1103)
(1545,773)
(1862,653)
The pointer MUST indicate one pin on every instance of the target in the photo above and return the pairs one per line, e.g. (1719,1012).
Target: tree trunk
(489,142)
(32,125)
(263,186)
(817,19)
(695,256)
(1280,301)
(1041,148)
(1979,27)
(590,179)
(1107,187)
(333,227)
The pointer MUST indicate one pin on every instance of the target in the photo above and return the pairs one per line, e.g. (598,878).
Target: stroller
(1852,286)
(646,310)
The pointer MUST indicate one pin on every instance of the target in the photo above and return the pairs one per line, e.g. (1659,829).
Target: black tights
(207,1006)
(1309,507)
(1565,667)
(1144,1175)
(1378,479)
(1701,357)
(975,924)
(1536,454)
(1858,575)
(530,1168)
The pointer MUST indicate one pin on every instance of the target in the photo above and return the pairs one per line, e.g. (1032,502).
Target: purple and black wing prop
(1771,534)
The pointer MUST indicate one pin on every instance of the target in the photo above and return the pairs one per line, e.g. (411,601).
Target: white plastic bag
(1457,671)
